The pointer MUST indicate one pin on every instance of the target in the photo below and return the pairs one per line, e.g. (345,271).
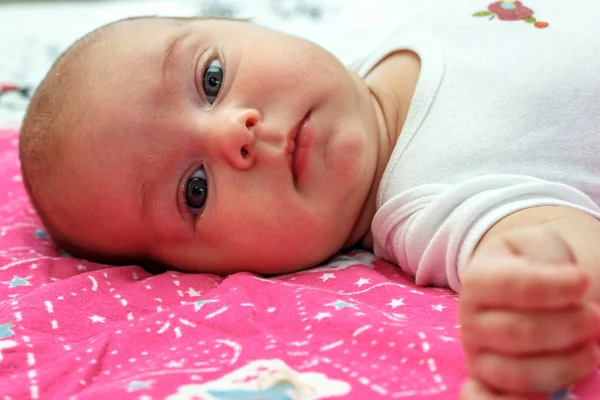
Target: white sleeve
(431,231)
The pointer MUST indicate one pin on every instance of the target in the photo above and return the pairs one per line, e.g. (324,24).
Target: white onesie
(505,116)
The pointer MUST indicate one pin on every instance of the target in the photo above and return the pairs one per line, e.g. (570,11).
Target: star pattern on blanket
(96,318)
(18,281)
(396,303)
(340,304)
(326,276)
(362,281)
(134,386)
(6,331)
(199,303)
(40,234)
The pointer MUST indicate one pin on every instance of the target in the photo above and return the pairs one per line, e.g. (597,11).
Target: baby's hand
(525,325)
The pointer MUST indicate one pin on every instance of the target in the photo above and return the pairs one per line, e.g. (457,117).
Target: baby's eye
(212,80)
(196,190)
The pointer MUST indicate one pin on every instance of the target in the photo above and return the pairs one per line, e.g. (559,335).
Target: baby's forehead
(126,26)
(151,28)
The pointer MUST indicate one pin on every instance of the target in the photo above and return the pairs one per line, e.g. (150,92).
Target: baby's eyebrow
(169,52)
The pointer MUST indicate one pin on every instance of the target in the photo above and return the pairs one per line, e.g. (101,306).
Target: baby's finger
(475,390)
(534,374)
(530,333)
(519,285)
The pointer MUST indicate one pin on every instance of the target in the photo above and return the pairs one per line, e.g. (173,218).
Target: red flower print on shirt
(511,10)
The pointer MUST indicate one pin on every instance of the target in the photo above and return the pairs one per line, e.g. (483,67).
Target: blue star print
(5,331)
(275,392)
(198,304)
(40,234)
(17,281)
(138,385)
(339,304)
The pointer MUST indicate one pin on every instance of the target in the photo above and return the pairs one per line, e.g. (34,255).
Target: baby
(462,149)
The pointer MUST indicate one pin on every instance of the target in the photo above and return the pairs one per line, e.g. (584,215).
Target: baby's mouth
(291,148)
(300,142)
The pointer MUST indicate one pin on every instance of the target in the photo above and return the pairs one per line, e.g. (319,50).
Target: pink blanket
(353,328)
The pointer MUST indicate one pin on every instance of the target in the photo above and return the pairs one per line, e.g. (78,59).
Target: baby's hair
(55,112)
(52,111)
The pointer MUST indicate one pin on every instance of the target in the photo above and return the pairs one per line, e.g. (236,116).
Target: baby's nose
(238,139)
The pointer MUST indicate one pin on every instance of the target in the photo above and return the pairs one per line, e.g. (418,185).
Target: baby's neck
(392,84)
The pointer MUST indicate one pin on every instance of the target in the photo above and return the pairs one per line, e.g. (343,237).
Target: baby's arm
(529,303)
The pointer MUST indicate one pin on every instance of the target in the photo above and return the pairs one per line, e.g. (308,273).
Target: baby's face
(220,146)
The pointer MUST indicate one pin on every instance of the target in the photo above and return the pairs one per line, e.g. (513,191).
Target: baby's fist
(528,268)
(525,326)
